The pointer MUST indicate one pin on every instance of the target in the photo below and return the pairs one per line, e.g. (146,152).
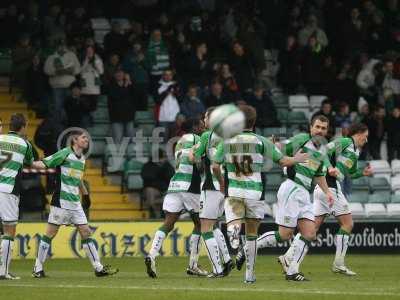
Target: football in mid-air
(227,121)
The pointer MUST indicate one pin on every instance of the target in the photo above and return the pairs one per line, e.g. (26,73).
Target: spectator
(242,67)
(389,82)
(392,127)
(228,81)
(111,67)
(366,80)
(167,103)
(157,59)
(289,72)
(378,36)
(134,65)
(115,41)
(344,86)
(197,66)
(121,107)
(216,96)
(92,69)
(9,26)
(376,128)
(312,29)
(327,111)
(78,108)
(156,176)
(61,67)
(177,128)
(353,33)
(342,117)
(266,112)
(54,23)
(363,113)
(22,56)
(192,107)
(37,88)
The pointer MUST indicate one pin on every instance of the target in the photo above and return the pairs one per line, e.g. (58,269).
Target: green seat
(395,198)
(379,184)
(99,130)
(144,117)
(132,178)
(133,166)
(5,61)
(360,182)
(281,101)
(147,129)
(98,146)
(100,115)
(379,197)
(102,101)
(362,164)
(282,115)
(296,118)
(359,197)
(276,131)
(270,197)
(134,151)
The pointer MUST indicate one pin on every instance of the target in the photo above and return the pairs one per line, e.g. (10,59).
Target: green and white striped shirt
(343,154)
(315,166)
(244,156)
(206,149)
(14,153)
(70,169)
(187,176)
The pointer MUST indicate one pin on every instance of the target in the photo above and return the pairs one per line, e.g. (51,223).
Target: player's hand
(191,155)
(222,188)
(334,172)
(330,198)
(368,171)
(301,157)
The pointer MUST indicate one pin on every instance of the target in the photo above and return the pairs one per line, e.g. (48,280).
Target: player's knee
(310,236)
(286,235)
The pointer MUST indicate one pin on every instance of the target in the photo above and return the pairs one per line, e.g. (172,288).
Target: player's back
(14,151)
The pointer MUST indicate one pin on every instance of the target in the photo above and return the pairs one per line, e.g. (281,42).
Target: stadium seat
(102,101)
(273,181)
(132,179)
(276,131)
(395,198)
(144,117)
(395,183)
(270,197)
(395,166)
(147,129)
(393,210)
(281,101)
(379,184)
(358,197)
(380,166)
(100,115)
(375,210)
(99,145)
(134,182)
(100,26)
(282,116)
(5,61)
(100,130)
(379,197)
(298,101)
(361,182)
(316,101)
(362,164)
(296,118)
(357,209)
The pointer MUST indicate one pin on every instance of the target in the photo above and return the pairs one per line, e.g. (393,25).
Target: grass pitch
(378,278)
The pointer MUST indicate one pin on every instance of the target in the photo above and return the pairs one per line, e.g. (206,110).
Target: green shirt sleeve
(28,160)
(355,172)
(57,158)
(201,146)
(271,150)
(292,145)
(219,156)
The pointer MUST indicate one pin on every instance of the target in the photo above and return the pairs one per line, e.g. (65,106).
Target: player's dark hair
(250,115)
(191,124)
(74,134)
(320,118)
(357,128)
(17,122)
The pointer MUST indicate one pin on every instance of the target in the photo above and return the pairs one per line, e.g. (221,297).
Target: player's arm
(52,161)
(320,179)
(291,146)
(273,152)
(29,157)
(217,160)
(199,149)
(355,172)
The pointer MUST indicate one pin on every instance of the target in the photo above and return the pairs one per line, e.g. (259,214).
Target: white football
(227,121)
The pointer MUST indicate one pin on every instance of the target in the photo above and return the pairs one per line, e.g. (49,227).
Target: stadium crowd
(188,55)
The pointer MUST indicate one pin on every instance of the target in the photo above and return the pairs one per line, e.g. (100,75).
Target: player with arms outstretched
(65,207)
(343,154)
(243,157)
(15,152)
(183,195)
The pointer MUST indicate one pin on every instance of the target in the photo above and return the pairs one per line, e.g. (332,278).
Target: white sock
(250,250)
(92,254)
(289,253)
(213,251)
(219,236)
(157,243)
(342,243)
(44,247)
(194,250)
(268,239)
(5,254)
(300,250)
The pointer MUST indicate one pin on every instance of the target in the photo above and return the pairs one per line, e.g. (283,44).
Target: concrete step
(109,196)
(117,215)
(114,206)
(105,189)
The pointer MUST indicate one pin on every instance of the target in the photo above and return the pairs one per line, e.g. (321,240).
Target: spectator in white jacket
(92,69)
(366,80)
(61,67)
(310,29)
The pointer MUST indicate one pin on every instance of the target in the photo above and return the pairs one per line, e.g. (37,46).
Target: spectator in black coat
(242,67)
(392,127)
(376,128)
(289,59)
(216,97)
(115,41)
(197,66)
(192,107)
(121,107)
(266,111)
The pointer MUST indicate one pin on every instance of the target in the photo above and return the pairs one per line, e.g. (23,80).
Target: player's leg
(43,249)
(250,249)
(234,213)
(342,243)
(88,245)
(195,243)
(9,213)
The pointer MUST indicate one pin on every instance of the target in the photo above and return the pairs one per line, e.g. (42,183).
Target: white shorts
(62,216)
(211,204)
(321,207)
(9,210)
(181,201)
(239,208)
(294,203)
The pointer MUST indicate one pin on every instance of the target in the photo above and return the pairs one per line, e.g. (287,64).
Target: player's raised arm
(273,152)
(199,149)
(51,161)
